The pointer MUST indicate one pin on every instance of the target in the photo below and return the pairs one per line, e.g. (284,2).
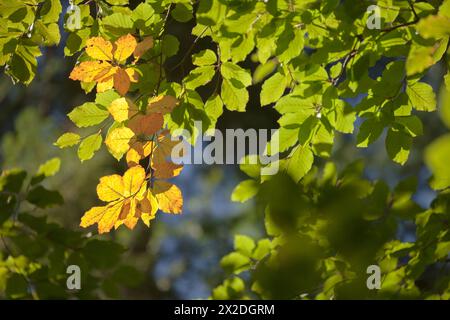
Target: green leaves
(398,145)
(143,15)
(369,132)
(235,80)
(214,109)
(411,124)
(434,27)
(245,251)
(170,45)
(51,10)
(68,140)
(211,12)
(199,77)
(289,43)
(43,250)
(245,190)
(48,169)
(118,23)
(182,12)
(204,58)
(89,146)
(273,88)
(24,30)
(102,254)
(23,63)
(235,263)
(244,245)
(421,96)
(232,71)
(234,95)
(299,164)
(422,57)
(230,289)
(12,180)
(327,225)
(88,114)
(43,198)
(436,158)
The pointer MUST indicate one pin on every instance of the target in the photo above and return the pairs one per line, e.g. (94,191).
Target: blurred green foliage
(36,253)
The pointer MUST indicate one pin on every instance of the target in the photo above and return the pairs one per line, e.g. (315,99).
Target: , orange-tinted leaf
(138,151)
(99,48)
(105,79)
(133,157)
(87,71)
(132,217)
(164,149)
(124,47)
(110,188)
(142,47)
(122,81)
(103,69)
(147,208)
(122,109)
(106,74)
(123,213)
(166,170)
(146,124)
(162,104)
(169,197)
(118,141)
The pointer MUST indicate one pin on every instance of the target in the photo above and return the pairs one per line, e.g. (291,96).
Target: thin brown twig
(188,52)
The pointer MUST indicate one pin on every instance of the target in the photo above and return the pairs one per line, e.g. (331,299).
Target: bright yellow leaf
(109,218)
(128,200)
(92,216)
(169,197)
(88,71)
(110,188)
(133,180)
(105,216)
(99,48)
(124,47)
(132,74)
(106,85)
(122,109)
(118,140)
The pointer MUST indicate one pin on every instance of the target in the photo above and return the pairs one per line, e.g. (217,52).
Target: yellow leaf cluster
(108,67)
(128,200)
(138,134)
